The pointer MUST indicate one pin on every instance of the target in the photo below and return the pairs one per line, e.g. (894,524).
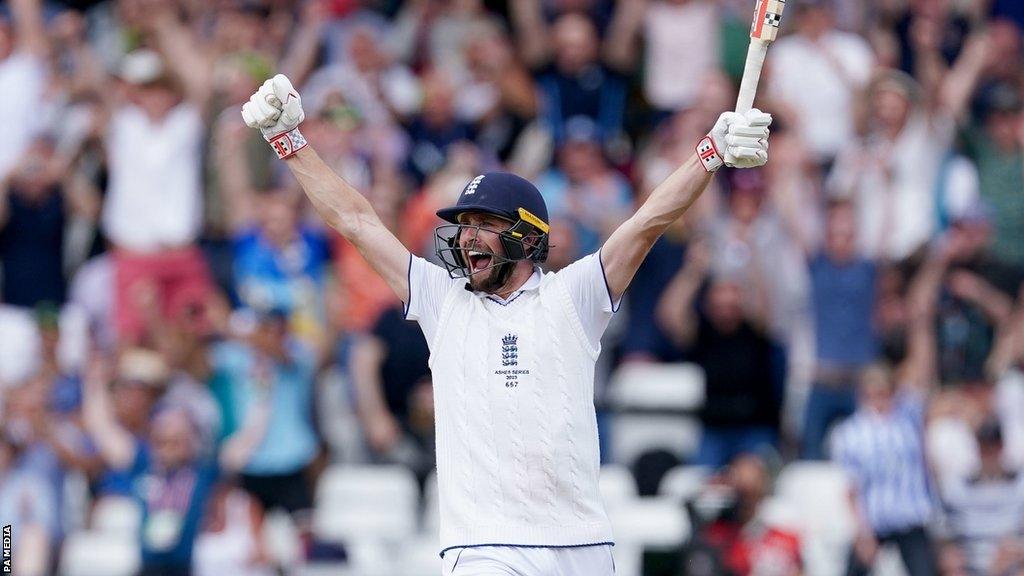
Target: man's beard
(493,279)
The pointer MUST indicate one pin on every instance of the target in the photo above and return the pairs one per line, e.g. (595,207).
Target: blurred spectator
(154,206)
(986,510)
(843,296)
(975,297)
(27,503)
(271,371)
(583,189)
(23,71)
(36,202)
(742,538)
(166,476)
(997,145)
(818,73)
(436,128)
(892,172)
(881,449)
(741,366)
(279,261)
(751,245)
(576,83)
(393,392)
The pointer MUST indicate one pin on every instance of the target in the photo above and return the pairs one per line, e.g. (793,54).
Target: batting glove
(737,140)
(276,110)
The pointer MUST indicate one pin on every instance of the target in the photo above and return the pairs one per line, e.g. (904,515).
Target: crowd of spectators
(169,305)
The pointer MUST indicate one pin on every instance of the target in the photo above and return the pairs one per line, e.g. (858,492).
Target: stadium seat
(431,506)
(683,482)
(655,522)
(818,492)
(92,553)
(629,560)
(617,484)
(651,386)
(633,435)
(366,502)
(281,538)
(117,514)
(419,557)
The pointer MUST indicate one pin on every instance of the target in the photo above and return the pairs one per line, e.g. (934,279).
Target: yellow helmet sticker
(529,217)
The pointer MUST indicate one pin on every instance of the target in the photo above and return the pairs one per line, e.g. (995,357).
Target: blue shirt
(173,503)
(843,298)
(267,276)
(585,207)
(290,441)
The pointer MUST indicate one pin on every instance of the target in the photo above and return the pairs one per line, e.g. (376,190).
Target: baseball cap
(147,367)
(141,66)
(501,194)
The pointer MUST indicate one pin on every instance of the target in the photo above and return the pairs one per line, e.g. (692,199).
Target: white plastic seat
(616,483)
(117,514)
(655,386)
(683,483)
(91,553)
(818,493)
(431,505)
(366,502)
(629,559)
(635,434)
(419,557)
(654,522)
(281,538)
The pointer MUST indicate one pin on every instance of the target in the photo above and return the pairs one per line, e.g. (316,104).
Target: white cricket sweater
(517,444)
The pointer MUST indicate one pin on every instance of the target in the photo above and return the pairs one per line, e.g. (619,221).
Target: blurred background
(816,371)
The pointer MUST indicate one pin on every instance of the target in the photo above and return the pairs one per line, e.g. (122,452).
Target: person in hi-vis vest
(512,349)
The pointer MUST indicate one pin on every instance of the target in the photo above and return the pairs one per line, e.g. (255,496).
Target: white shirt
(682,48)
(819,82)
(154,200)
(517,445)
(22,81)
(893,186)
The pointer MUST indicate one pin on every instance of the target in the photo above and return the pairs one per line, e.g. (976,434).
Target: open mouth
(478,260)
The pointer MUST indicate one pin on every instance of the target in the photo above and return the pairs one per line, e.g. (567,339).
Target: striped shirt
(983,513)
(884,457)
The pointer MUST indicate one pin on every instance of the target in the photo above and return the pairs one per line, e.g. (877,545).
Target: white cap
(141,67)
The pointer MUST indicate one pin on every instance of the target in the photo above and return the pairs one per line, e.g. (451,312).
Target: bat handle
(751,75)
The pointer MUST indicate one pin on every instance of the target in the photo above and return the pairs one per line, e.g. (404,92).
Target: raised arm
(116,445)
(276,110)
(29,28)
(740,141)
(182,53)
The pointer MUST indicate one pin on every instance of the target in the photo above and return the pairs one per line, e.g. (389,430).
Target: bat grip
(751,75)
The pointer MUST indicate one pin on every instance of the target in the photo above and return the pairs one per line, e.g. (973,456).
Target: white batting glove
(276,110)
(737,140)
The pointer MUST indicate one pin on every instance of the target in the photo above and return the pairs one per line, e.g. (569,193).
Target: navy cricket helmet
(506,196)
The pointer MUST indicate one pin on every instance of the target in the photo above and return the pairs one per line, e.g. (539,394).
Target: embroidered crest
(509,350)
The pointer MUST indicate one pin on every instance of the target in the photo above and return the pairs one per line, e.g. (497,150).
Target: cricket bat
(763,31)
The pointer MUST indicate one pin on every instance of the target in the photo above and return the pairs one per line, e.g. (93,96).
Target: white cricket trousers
(520,561)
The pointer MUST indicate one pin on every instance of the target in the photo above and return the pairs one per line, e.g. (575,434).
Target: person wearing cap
(152,212)
(986,509)
(891,172)
(996,144)
(512,349)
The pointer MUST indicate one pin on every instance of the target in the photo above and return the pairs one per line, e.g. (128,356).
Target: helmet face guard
(455,257)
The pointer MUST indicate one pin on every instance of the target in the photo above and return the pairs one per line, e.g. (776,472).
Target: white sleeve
(428,286)
(590,293)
